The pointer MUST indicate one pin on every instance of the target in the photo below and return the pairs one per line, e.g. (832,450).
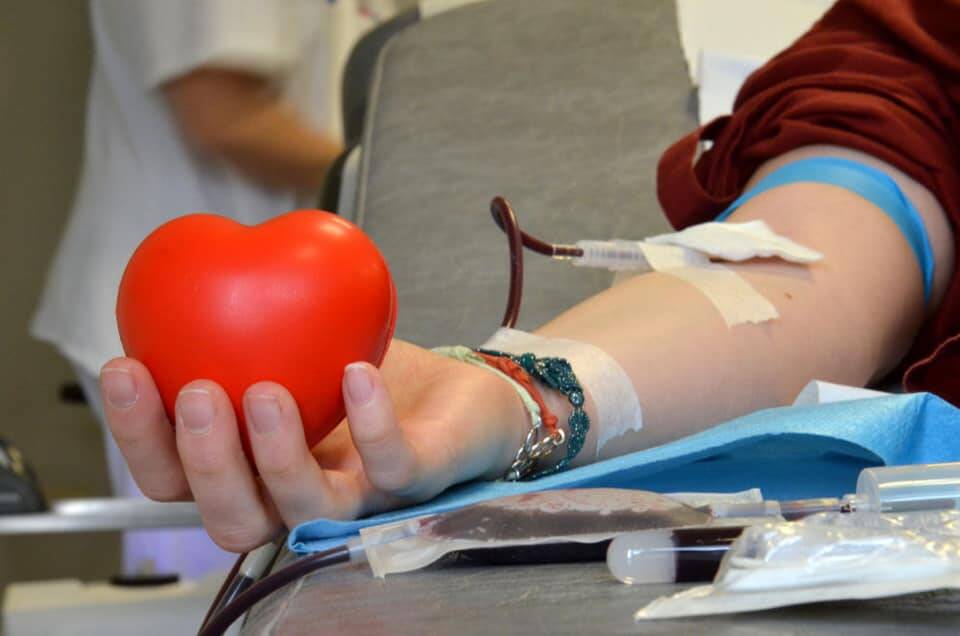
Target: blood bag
(565,525)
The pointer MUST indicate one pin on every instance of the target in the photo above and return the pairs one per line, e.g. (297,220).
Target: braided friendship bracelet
(557,374)
(536,445)
(468,355)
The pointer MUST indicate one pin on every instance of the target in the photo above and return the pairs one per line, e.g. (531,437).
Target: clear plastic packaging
(573,524)
(830,556)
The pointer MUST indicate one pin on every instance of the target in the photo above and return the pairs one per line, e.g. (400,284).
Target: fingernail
(263,413)
(118,387)
(359,384)
(195,410)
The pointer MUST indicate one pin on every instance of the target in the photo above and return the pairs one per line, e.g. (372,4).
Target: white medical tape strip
(618,408)
(736,299)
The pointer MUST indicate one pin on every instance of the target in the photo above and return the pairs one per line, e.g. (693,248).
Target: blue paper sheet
(790,453)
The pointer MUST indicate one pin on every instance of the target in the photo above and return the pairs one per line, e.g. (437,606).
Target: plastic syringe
(881,489)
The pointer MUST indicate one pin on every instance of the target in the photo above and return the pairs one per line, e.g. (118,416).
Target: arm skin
(235,117)
(423,423)
(848,319)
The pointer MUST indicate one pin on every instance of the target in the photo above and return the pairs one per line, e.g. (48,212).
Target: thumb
(389,459)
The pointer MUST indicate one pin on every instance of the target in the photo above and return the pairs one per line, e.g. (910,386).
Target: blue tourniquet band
(873,185)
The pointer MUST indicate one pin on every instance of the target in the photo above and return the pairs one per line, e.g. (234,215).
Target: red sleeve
(879,76)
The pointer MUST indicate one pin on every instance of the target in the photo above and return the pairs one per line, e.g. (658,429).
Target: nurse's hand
(417,426)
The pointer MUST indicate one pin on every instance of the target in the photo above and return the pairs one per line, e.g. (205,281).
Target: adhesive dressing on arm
(617,406)
(687,255)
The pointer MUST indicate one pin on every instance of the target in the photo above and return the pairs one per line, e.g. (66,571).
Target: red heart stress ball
(293,301)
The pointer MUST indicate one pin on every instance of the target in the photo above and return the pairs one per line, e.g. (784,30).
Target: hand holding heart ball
(293,301)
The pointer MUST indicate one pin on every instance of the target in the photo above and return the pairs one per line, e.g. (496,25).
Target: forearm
(848,319)
(236,118)
(272,145)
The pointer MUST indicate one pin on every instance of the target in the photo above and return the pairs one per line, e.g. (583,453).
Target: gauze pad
(618,408)
(738,242)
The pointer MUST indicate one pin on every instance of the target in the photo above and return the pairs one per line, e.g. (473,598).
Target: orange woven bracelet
(521,377)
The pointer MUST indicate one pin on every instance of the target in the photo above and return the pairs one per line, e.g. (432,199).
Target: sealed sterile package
(827,557)
(562,519)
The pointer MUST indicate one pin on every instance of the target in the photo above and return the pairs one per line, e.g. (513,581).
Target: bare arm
(849,319)
(235,117)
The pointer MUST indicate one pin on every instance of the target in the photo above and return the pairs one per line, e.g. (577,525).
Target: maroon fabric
(880,76)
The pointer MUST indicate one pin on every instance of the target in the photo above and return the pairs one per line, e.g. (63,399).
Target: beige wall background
(45,56)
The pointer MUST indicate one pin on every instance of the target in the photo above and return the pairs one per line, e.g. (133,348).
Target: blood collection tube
(680,555)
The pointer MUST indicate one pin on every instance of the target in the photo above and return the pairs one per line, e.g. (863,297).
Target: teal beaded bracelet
(557,374)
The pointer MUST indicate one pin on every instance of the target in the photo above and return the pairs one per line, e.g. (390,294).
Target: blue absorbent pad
(792,452)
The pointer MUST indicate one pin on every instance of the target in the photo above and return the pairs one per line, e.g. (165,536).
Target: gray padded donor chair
(562,106)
